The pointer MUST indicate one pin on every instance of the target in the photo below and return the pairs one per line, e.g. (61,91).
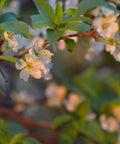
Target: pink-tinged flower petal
(24,74)
(20,66)
(47,77)
(36,73)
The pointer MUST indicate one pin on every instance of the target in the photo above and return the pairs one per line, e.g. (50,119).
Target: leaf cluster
(12,133)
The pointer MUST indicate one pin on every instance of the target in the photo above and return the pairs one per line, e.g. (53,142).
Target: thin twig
(4,77)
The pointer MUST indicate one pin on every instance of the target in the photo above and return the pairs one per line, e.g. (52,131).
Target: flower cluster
(109,123)
(36,63)
(55,94)
(73,100)
(22,100)
(107,26)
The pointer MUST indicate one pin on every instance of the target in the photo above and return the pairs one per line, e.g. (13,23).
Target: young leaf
(16,138)
(18,27)
(66,16)
(10,58)
(68,135)
(3,138)
(7,17)
(92,130)
(70,44)
(58,15)
(44,9)
(87,5)
(3,126)
(54,35)
(76,19)
(82,109)
(70,11)
(38,22)
(79,26)
(2,91)
(2,2)
(4,135)
(79,123)
(61,120)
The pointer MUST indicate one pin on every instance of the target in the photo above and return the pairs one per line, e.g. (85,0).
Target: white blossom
(115,48)
(106,26)
(95,49)
(37,63)
(97,45)
(109,124)
(97,12)
(55,94)
(106,21)
(107,11)
(28,68)
(73,100)
(15,41)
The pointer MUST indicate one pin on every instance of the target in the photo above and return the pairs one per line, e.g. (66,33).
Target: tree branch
(90,33)
(28,123)
(25,121)
(4,77)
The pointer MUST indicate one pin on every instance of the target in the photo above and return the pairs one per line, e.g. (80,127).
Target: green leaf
(82,109)
(14,128)
(29,141)
(4,135)
(88,84)
(70,11)
(76,19)
(68,135)
(3,126)
(10,58)
(111,138)
(66,16)
(79,123)
(61,120)
(39,22)
(87,5)
(107,107)
(2,2)
(7,17)
(92,130)
(58,15)
(2,91)
(18,27)
(54,35)
(44,9)
(79,26)
(115,84)
(16,138)
(70,44)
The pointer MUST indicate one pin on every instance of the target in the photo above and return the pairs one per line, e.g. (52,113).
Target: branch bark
(23,120)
